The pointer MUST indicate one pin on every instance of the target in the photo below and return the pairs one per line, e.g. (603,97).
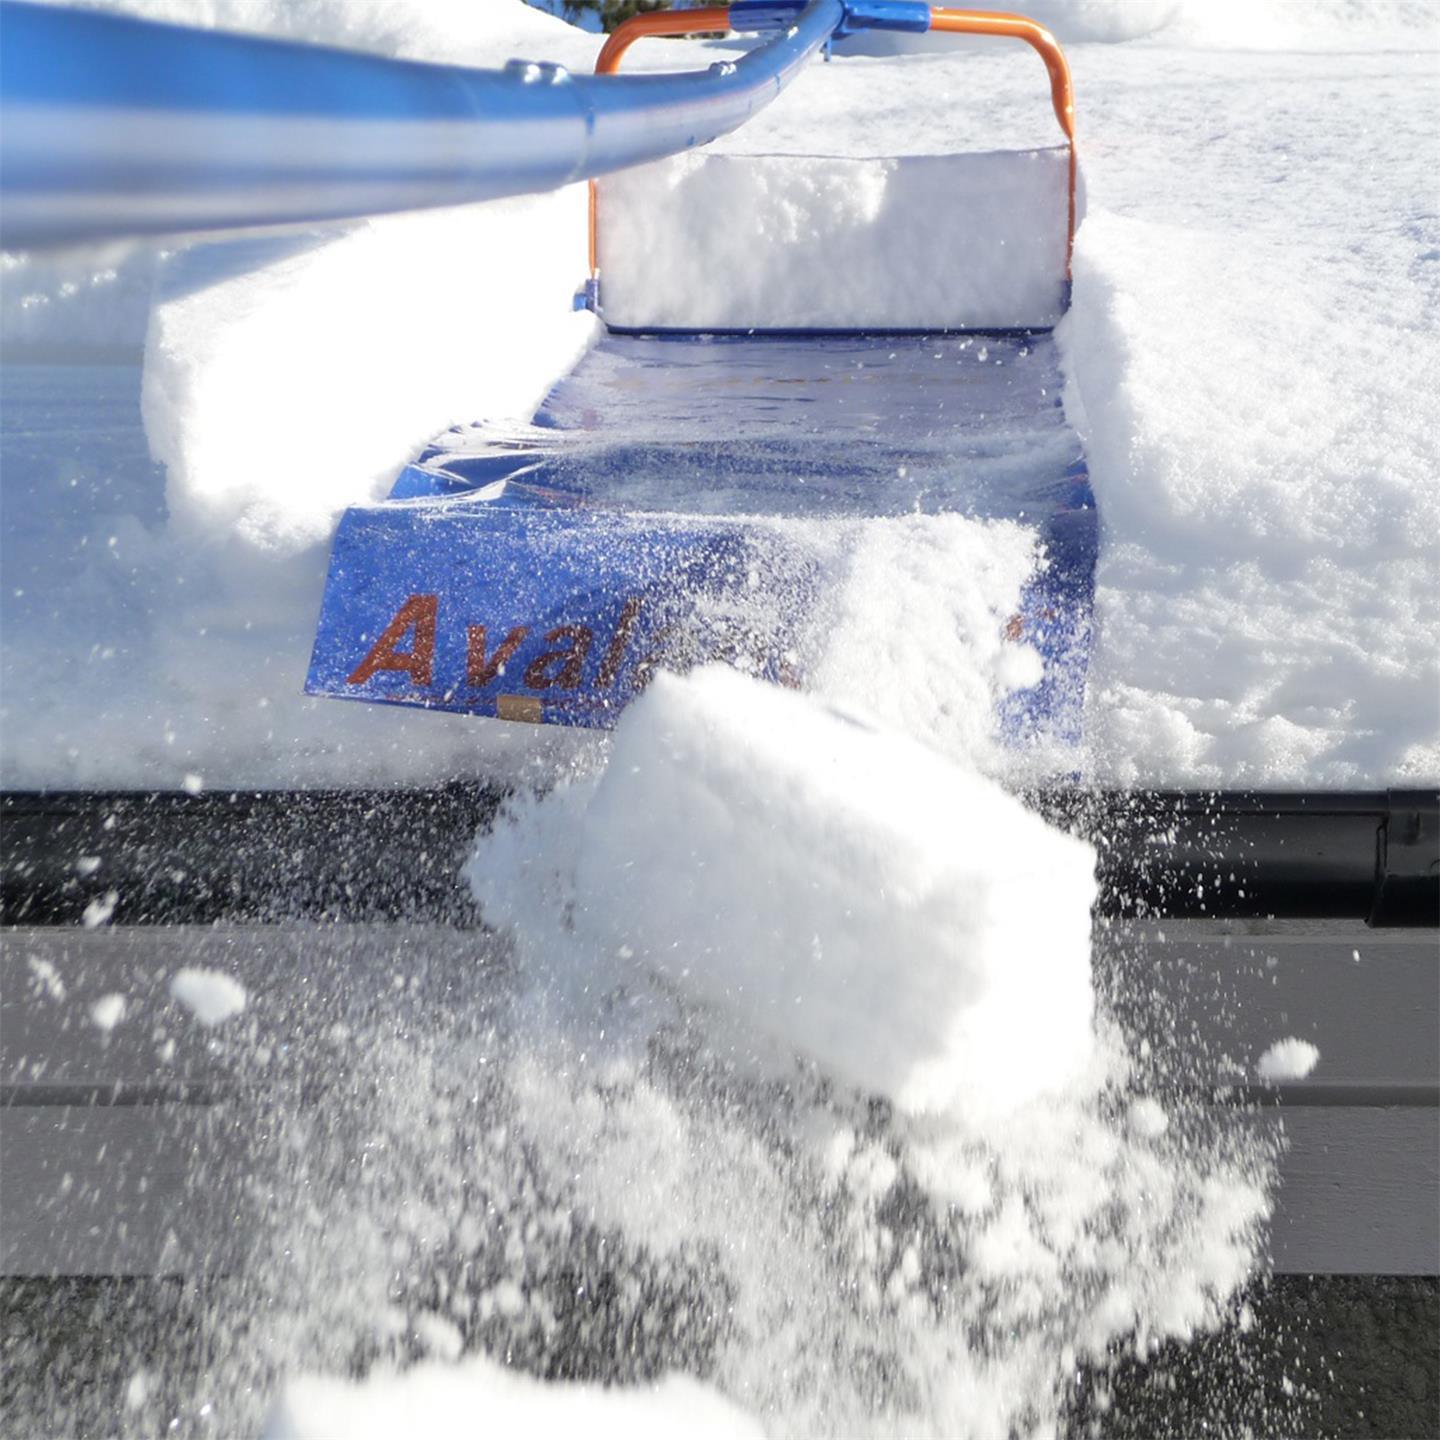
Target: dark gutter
(355,855)
(1369,855)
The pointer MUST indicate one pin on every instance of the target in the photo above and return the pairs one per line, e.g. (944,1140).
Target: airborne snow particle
(99,910)
(108,1011)
(208,995)
(1148,1118)
(1288,1059)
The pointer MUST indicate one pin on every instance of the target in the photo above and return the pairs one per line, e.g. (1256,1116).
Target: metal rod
(113,127)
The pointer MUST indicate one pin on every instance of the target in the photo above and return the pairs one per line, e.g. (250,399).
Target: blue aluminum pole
(113,127)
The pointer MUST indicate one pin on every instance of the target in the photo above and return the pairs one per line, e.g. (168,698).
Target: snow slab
(964,242)
(478,1400)
(843,889)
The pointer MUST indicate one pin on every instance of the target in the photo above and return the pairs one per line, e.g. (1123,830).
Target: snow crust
(925,242)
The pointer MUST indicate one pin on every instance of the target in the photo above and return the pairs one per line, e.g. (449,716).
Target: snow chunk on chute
(920,242)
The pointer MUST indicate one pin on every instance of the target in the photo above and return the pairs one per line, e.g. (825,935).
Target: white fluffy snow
(480,1400)
(846,891)
(209,995)
(926,242)
(1269,533)
(939,679)
(99,910)
(1288,1059)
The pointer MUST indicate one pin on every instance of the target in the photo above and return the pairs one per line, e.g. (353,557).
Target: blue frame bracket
(911,16)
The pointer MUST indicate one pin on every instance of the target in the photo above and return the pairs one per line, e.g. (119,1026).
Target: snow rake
(683,495)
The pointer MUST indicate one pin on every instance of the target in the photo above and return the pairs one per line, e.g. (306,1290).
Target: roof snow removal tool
(701,485)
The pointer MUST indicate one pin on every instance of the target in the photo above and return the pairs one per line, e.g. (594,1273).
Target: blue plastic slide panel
(685,499)
(531,611)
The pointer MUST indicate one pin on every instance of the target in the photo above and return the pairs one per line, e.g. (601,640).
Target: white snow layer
(925,242)
(480,1400)
(1269,529)
(1248,358)
(845,890)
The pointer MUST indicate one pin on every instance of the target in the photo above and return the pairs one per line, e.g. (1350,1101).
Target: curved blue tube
(114,127)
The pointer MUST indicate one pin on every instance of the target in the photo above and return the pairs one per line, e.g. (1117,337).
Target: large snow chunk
(958,242)
(901,920)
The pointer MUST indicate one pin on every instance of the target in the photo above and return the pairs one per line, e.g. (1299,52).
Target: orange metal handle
(954,22)
(1062,93)
(657,22)
(1018,27)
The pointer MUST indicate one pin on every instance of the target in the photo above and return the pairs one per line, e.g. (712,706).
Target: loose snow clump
(208,995)
(1288,1059)
(108,1011)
